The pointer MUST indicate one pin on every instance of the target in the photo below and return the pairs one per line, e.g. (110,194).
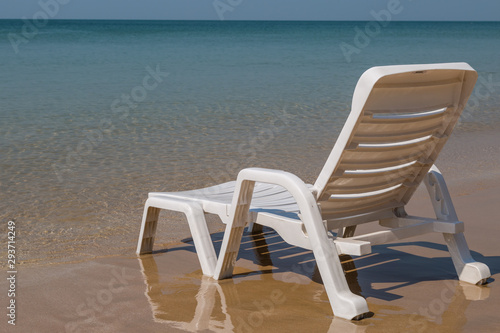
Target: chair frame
(311,229)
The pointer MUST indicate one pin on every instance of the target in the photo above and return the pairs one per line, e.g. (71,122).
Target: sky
(400,10)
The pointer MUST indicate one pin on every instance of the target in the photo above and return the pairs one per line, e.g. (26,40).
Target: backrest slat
(401,118)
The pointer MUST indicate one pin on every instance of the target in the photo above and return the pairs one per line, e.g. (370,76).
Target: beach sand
(410,286)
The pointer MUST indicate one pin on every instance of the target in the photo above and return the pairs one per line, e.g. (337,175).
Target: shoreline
(469,162)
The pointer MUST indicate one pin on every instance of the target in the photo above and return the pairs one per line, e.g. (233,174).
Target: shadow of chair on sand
(292,285)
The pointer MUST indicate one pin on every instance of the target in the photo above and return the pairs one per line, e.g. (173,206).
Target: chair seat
(217,199)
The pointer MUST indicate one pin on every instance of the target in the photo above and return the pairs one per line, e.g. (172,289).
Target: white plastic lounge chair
(400,119)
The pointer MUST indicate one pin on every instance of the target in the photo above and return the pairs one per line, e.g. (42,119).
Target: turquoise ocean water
(95,114)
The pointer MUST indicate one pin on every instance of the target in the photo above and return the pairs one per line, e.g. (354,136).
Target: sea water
(95,114)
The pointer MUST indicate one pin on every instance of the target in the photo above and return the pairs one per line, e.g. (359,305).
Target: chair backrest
(400,119)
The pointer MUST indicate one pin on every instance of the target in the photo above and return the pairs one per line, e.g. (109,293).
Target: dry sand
(410,286)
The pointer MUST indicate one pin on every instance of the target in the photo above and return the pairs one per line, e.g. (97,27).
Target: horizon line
(237,20)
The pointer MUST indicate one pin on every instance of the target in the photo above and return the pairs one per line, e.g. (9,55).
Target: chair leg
(347,231)
(344,303)
(148,230)
(197,225)
(467,268)
(234,231)
(254,228)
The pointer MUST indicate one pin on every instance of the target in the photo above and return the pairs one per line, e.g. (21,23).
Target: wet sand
(410,286)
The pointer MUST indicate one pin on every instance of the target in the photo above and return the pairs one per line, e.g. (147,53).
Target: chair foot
(368,314)
(345,304)
(349,306)
(467,268)
(475,273)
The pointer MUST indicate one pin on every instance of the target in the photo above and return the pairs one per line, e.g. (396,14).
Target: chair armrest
(293,184)
(309,210)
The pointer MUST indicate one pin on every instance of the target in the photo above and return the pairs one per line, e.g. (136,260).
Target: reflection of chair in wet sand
(401,118)
(229,307)
(192,307)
